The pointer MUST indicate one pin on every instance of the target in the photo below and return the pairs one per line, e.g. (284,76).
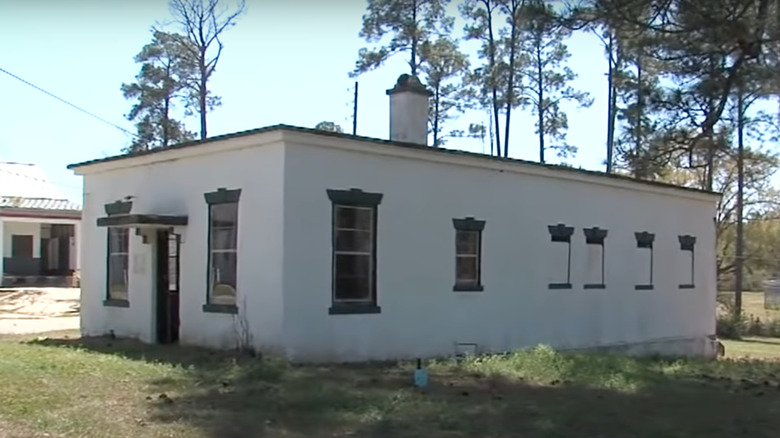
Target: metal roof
(552,167)
(22,203)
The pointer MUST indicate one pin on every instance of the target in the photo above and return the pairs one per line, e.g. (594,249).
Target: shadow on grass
(228,395)
(775,342)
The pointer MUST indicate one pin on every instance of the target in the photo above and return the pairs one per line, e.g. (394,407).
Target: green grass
(753,305)
(101,387)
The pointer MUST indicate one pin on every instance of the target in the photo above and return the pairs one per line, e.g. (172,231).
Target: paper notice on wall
(139,264)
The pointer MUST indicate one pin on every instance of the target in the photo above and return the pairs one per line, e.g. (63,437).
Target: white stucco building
(330,247)
(39,229)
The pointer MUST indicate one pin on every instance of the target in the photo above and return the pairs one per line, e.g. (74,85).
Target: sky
(286,61)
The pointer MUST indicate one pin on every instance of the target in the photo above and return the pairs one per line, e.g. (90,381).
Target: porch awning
(142,220)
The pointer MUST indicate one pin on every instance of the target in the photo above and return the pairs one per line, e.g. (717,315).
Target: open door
(167,287)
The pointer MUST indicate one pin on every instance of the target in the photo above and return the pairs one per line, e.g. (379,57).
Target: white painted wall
(285,245)
(177,187)
(11,228)
(422,316)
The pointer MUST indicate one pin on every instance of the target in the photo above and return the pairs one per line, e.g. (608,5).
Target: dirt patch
(32,310)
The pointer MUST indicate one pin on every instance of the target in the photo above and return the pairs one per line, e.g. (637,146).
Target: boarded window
(594,261)
(22,246)
(559,256)
(687,261)
(643,265)
(118,261)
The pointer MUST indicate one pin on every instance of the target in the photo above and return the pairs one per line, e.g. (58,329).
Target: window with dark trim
(687,247)
(222,269)
(22,246)
(117,270)
(353,251)
(560,235)
(468,254)
(594,239)
(644,245)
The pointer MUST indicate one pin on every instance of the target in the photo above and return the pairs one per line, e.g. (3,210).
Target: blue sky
(287,61)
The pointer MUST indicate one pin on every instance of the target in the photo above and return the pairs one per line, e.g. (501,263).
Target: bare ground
(35,310)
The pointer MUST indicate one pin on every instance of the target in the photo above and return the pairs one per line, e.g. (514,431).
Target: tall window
(644,248)
(118,261)
(468,254)
(594,240)
(222,252)
(560,256)
(686,247)
(354,219)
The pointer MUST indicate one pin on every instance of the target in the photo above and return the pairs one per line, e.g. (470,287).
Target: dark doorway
(167,287)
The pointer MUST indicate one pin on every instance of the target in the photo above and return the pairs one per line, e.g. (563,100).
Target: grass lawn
(109,388)
(753,304)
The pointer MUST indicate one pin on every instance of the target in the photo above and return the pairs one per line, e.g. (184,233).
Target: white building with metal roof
(39,229)
(331,247)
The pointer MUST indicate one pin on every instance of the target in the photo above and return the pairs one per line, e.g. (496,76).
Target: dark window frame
(561,233)
(355,198)
(644,240)
(471,225)
(110,300)
(29,242)
(220,197)
(688,243)
(596,236)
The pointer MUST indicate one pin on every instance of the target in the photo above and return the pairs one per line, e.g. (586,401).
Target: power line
(45,181)
(67,103)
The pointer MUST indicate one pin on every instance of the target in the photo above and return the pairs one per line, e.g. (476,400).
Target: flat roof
(434,150)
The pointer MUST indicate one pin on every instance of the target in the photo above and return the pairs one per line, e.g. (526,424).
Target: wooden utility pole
(740,247)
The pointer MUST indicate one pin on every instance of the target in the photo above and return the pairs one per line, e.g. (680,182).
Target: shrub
(731,326)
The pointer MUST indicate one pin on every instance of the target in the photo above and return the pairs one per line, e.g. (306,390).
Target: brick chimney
(409,110)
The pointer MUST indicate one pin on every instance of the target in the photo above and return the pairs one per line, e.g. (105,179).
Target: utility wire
(67,103)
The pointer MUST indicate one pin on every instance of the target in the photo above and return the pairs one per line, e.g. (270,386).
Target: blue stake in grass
(420,375)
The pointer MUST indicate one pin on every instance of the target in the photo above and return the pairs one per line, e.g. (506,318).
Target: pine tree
(163,76)
(408,23)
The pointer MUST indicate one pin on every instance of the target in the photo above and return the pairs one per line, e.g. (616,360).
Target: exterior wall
(11,228)
(19,265)
(177,187)
(420,313)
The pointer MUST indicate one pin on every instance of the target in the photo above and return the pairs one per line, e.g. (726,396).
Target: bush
(731,326)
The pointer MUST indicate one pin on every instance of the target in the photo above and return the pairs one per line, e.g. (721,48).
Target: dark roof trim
(40,213)
(320,132)
(130,220)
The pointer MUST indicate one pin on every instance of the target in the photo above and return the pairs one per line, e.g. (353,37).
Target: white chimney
(409,110)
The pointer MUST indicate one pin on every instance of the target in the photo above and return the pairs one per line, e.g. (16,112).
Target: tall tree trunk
(510,91)
(639,167)
(540,106)
(413,61)
(491,77)
(166,124)
(436,117)
(611,102)
(740,247)
(202,94)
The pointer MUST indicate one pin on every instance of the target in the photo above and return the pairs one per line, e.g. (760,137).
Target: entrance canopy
(142,221)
